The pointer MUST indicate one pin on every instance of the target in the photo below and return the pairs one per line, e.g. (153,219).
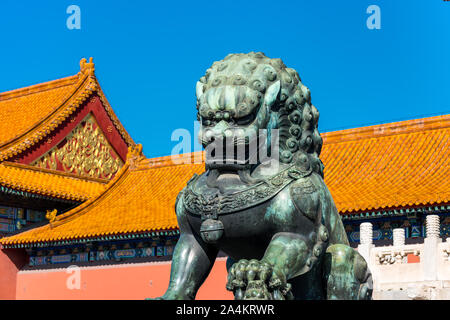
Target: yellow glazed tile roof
(49,183)
(30,114)
(390,165)
(136,200)
(385,166)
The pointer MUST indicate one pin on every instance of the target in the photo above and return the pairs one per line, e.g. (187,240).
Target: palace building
(75,189)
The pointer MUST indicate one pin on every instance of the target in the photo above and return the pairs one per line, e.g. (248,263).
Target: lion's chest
(245,233)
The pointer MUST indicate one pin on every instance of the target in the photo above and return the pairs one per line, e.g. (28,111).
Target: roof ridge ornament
(135,155)
(87,67)
(51,216)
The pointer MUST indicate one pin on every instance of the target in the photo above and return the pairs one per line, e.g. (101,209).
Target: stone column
(365,246)
(366,233)
(366,240)
(399,237)
(429,256)
(433,226)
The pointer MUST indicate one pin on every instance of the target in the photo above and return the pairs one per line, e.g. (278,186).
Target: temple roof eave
(79,89)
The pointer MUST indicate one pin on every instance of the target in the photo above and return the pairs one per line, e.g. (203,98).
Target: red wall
(128,281)
(10,263)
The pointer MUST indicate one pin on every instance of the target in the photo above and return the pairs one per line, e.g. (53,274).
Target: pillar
(429,256)
(366,233)
(366,240)
(433,226)
(399,237)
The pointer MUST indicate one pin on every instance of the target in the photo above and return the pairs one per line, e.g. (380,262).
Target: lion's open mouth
(230,156)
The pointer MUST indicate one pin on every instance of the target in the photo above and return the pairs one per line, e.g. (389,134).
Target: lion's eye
(206,122)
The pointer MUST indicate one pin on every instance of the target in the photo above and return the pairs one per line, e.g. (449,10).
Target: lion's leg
(287,256)
(346,274)
(191,263)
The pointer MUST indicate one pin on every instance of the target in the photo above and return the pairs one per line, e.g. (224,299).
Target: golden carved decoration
(135,155)
(86,152)
(48,161)
(87,67)
(51,215)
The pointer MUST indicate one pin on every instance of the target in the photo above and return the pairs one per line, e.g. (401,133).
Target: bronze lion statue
(270,211)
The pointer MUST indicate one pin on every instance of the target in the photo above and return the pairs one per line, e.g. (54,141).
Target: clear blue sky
(149,55)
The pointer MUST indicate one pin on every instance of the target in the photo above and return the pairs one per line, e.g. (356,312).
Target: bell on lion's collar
(211,230)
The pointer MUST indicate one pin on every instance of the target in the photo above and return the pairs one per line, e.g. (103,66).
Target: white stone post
(366,233)
(429,257)
(366,240)
(366,244)
(399,237)
(433,226)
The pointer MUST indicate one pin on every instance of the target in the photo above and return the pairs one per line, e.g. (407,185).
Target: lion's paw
(256,279)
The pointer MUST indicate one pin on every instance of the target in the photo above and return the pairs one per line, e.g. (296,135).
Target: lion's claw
(256,279)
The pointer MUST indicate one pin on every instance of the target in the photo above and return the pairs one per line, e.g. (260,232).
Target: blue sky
(149,55)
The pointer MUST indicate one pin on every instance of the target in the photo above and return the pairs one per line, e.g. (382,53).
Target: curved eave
(21,238)
(110,237)
(42,196)
(29,181)
(397,212)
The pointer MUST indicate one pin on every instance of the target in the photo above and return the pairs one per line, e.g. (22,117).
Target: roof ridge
(53,172)
(171,160)
(39,87)
(86,69)
(387,129)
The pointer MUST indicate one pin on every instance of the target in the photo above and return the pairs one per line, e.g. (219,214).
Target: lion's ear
(272,94)
(199,89)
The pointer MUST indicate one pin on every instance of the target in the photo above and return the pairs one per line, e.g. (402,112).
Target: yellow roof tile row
(385,166)
(50,183)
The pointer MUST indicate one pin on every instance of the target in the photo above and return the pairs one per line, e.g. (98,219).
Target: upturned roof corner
(87,68)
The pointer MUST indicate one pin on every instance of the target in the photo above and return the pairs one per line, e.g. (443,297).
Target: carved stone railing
(415,271)
(395,254)
(445,252)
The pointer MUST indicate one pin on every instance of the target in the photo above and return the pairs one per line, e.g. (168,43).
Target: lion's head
(246,92)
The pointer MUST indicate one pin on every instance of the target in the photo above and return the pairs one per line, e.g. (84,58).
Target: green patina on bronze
(274,216)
